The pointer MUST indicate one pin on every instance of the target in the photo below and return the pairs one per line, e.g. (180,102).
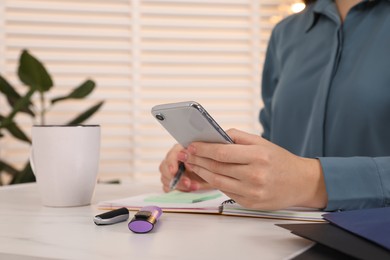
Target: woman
(326,118)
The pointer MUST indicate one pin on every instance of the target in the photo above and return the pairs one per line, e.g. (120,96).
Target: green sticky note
(183,197)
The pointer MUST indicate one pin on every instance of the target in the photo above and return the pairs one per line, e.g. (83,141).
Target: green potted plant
(33,74)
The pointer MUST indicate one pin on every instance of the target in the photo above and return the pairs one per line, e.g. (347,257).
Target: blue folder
(372,224)
(337,243)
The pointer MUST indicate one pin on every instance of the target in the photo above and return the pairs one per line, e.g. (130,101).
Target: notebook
(338,239)
(371,224)
(211,202)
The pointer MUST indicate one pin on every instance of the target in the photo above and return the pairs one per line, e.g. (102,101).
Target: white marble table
(31,231)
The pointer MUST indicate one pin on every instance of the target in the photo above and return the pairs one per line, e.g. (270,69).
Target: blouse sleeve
(356,182)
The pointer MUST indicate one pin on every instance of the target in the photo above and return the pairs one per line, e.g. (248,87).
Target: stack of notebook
(356,234)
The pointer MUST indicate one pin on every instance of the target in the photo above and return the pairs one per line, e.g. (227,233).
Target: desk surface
(31,231)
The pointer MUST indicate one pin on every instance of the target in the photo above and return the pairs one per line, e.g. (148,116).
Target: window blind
(141,53)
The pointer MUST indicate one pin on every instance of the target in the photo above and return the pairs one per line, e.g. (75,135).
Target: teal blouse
(326,93)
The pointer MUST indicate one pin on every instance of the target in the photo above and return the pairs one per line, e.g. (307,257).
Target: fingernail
(182,156)
(194,186)
(186,183)
(191,149)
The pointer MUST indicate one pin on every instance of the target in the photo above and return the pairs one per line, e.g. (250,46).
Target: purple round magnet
(144,220)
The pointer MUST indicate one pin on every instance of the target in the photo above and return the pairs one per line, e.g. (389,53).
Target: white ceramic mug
(65,162)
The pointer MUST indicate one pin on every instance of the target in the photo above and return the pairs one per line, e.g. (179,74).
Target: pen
(177,176)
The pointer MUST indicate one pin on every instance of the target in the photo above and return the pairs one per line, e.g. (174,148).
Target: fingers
(244,193)
(195,182)
(188,182)
(246,149)
(240,137)
(226,169)
(185,184)
(228,153)
(169,167)
(215,180)
(241,152)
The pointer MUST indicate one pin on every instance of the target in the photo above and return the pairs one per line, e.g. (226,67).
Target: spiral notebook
(211,202)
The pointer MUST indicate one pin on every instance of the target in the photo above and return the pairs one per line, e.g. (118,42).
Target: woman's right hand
(169,166)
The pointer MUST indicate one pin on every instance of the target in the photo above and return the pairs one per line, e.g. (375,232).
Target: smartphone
(189,122)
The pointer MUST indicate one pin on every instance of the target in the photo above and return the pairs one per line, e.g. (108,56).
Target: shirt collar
(325,7)
(321,7)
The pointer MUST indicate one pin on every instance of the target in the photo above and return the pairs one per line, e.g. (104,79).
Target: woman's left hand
(257,173)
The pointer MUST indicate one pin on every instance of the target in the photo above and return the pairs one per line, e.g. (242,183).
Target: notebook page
(209,202)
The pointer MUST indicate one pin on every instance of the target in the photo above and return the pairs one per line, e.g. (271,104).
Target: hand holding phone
(188,122)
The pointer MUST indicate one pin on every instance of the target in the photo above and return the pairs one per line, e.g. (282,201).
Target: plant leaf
(78,93)
(8,168)
(25,175)
(12,96)
(1,125)
(33,73)
(86,114)
(16,132)
(22,102)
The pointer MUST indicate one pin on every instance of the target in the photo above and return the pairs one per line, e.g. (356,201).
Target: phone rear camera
(160,117)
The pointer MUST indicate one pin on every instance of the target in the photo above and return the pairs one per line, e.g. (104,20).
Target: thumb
(241,137)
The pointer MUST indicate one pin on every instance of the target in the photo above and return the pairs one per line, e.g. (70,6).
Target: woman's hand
(168,168)
(256,173)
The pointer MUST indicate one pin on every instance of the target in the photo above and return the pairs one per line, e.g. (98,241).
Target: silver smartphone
(188,122)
